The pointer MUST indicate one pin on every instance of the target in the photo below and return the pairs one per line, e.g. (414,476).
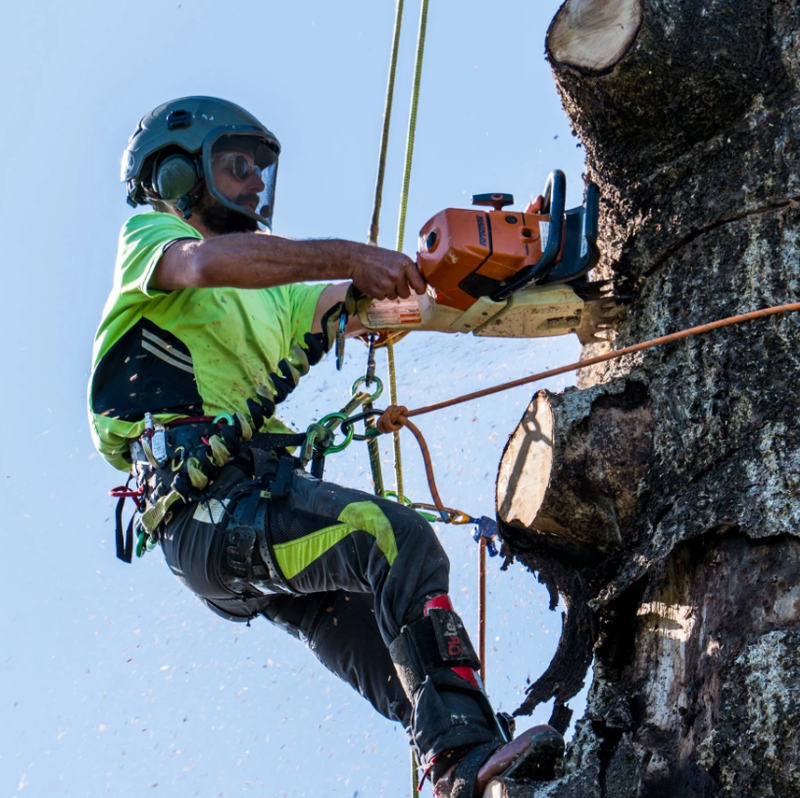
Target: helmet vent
(177,119)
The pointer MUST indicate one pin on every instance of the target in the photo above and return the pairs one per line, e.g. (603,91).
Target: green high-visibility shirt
(191,352)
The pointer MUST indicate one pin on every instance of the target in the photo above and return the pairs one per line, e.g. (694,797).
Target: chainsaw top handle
(554,204)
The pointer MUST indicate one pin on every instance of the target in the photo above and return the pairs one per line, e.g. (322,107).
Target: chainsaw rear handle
(553,203)
(555,192)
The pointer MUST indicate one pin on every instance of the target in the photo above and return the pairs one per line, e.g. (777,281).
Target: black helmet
(168,157)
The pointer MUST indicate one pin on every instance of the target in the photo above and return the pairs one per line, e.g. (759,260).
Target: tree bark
(690,119)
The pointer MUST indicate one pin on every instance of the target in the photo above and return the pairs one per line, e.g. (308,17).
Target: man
(208,326)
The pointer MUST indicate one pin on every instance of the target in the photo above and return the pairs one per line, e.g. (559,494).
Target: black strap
(272,441)
(124,545)
(318,466)
(279,488)
(461,783)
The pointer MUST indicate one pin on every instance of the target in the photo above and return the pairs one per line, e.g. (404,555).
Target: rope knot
(393,419)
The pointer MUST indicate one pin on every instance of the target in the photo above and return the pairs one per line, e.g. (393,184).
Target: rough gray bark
(691,132)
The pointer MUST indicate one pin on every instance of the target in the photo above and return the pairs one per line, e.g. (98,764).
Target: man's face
(238,179)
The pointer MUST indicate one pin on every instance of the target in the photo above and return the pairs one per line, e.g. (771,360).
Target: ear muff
(175,177)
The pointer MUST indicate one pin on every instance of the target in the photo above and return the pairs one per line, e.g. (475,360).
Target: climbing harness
(176,462)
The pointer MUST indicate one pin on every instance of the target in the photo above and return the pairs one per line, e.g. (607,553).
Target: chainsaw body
(506,273)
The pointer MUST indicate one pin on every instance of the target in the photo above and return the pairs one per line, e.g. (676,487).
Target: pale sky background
(114,680)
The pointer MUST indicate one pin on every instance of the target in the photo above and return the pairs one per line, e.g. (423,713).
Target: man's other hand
(385,274)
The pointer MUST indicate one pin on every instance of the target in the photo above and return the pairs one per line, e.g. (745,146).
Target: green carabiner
(316,432)
(378,390)
(348,435)
(141,544)
(226,416)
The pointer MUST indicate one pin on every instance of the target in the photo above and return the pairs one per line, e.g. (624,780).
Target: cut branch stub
(594,34)
(571,469)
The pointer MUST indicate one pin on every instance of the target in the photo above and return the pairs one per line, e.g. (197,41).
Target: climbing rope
(374,227)
(398,454)
(482,605)
(401,222)
(412,124)
(374,230)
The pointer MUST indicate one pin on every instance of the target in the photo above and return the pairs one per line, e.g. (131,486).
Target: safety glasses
(237,165)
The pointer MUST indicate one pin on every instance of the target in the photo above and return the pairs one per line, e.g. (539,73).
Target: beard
(221,220)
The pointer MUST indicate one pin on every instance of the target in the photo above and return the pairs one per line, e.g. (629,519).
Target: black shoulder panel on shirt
(148,369)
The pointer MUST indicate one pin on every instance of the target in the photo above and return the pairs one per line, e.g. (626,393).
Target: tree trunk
(689,112)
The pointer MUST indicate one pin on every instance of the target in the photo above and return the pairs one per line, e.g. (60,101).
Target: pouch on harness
(192,457)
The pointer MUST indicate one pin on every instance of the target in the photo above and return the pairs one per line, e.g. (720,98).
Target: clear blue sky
(113,679)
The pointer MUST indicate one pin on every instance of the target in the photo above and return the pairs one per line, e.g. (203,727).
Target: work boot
(466,773)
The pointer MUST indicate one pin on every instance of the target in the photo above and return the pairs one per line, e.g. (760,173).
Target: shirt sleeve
(142,242)
(302,300)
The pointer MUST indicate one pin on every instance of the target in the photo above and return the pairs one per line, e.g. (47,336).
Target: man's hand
(385,274)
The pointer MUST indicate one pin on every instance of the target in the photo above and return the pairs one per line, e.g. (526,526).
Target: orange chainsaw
(507,273)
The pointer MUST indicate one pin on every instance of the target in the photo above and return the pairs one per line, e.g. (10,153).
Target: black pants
(343,570)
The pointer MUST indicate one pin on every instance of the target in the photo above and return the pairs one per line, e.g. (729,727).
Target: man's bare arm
(252,260)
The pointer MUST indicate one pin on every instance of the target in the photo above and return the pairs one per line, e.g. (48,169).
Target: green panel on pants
(296,555)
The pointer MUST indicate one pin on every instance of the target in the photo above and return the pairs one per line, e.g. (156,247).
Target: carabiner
(369,375)
(340,338)
(225,416)
(359,399)
(182,451)
(371,433)
(378,390)
(346,429)
(430,517)
(314,434)
(448,515)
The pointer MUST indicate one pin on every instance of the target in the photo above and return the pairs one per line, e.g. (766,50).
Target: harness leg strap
(251,563)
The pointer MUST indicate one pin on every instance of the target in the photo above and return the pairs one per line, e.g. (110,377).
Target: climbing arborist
(208,326)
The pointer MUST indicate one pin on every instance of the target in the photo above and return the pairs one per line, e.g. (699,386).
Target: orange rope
(628,350)
(393,419)
(396,416)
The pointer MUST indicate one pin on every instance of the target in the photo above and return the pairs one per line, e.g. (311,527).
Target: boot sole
(538,761)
